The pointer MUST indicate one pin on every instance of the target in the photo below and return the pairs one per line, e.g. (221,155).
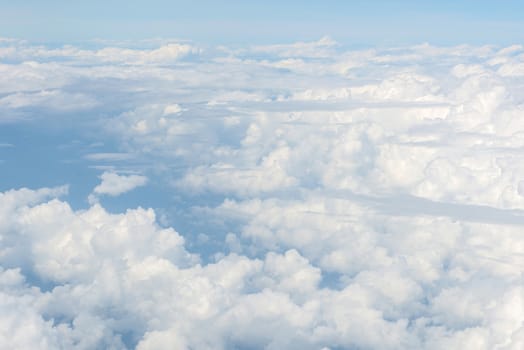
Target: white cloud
(57,100)
(321,48)
(172,109)
(108,156)
(359,193)
(120,278)
(269,175)
(114,184)
(166,53)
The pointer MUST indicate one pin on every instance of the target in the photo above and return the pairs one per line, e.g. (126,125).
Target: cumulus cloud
(113,184)
(119,280)
(367,199)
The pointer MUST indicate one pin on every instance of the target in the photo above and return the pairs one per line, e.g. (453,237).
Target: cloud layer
(344,199)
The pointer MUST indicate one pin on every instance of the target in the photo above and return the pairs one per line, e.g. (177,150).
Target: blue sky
(350,22)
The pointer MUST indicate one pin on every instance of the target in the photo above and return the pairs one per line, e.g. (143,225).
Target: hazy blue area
(376,22)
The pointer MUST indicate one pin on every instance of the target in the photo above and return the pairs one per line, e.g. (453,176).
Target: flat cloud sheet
(333,198)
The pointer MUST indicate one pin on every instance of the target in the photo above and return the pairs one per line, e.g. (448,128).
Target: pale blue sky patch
(350,22)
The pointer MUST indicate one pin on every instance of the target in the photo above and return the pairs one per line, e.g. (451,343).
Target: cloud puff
(114,185)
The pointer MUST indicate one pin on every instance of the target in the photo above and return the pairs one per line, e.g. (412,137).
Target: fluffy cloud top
(368,199)
(113,184)
(90,279)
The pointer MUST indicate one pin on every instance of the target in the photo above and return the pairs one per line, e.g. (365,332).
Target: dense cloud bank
(369,199)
